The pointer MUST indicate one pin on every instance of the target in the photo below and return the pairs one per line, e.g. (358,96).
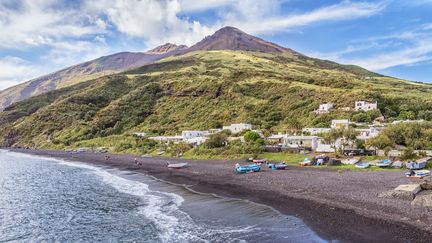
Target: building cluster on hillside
(199,137)
(310,138)
(360,105)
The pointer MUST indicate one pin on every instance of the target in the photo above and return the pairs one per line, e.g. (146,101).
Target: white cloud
(71,33)
(42,22)
(14,70)
(344,11)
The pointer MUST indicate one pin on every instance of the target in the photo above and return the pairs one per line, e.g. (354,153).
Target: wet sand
(336,205)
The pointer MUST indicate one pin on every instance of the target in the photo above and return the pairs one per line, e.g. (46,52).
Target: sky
(391,37)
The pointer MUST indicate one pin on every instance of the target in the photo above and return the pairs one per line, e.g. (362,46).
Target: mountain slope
(201,90)
(85,71)
(230,38)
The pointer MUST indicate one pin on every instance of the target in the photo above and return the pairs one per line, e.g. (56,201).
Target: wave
(163,209)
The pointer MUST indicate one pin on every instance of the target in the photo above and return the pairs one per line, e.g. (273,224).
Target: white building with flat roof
(301,142)
(316,130)
(365,106)
(340,124)
(237,127)
(324,108)
(193,134)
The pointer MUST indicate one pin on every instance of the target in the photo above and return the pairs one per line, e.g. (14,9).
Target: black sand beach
(337,205)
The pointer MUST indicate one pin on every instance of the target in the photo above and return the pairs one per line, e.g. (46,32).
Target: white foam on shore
(161,208)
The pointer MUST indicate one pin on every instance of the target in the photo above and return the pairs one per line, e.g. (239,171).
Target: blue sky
(392,37)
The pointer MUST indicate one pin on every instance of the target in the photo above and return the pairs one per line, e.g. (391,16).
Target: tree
(251,136)
(408,153)
(380,142)
(179,149)
(217,140)
(332,137)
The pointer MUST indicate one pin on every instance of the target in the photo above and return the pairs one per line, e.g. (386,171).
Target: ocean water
(50,200)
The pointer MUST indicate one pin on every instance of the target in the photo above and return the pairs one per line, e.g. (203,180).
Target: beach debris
(423,199)
(177,166)
(247,168)
(404,192)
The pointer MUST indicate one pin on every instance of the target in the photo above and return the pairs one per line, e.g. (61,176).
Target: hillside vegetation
(205,89)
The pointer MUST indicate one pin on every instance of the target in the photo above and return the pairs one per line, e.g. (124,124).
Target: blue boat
(362,165)
(384,163)
(247,168)
(416,165)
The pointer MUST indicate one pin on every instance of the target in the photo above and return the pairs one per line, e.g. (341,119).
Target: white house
(237,127)
(367,133)
(214,131)
(315,130)
(301,141)
(193,134)
(340,124)
(365,106)
(174,139)
(324,108)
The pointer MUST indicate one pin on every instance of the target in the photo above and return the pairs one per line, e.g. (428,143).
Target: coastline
(337,206)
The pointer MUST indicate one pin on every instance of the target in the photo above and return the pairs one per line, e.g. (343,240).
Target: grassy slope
(201,90)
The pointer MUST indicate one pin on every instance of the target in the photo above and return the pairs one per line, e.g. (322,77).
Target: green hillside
(206,89)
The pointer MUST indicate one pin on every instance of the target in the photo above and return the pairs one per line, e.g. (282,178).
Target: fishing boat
(418,173)
(278,166)
(247,168)
(397,164)
(351,161)
(416,165)
(384,163)
(177,166)
(259,161)
(362,165)
(306,162)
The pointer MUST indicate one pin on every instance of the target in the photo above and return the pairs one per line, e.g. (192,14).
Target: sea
(52,200)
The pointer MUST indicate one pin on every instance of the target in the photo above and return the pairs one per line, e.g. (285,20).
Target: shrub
(217,140)
(251,136)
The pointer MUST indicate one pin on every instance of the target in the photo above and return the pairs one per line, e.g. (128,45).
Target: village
(308,140)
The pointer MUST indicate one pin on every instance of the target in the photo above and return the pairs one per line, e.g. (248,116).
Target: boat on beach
(418,173)
(259,161)
(305,162)
(177,166)
(362,165)
(350,161)
(247,168)
(278,166)
(384,163)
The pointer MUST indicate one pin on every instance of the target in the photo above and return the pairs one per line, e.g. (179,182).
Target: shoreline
(323,199)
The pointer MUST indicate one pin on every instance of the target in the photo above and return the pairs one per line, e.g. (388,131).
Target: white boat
(362,165)
(419,173)
(146,156)
(177,166)
(351,161)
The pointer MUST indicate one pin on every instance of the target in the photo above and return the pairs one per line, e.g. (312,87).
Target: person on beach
(411,166)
